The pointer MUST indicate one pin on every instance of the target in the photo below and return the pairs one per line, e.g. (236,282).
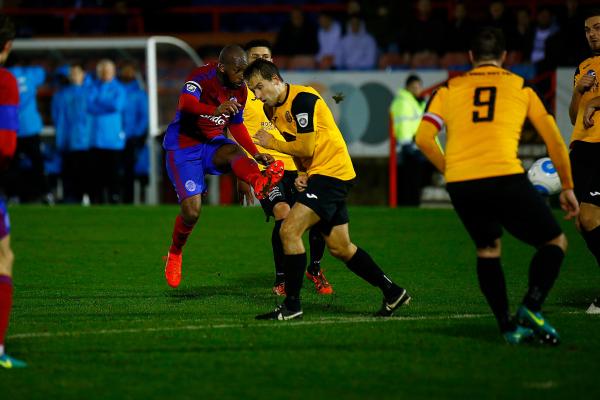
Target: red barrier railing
(392,170)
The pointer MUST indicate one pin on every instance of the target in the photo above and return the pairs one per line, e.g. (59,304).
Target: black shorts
(487,205)
(285,191)
(585,166)
(326,196)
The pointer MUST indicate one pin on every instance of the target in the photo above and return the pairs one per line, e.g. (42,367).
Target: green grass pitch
(95,319)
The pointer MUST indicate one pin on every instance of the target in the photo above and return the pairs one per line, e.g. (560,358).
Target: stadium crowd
(100,124)
(380,34)
(383,35)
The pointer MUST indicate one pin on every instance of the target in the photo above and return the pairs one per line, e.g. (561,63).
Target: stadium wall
(564,91)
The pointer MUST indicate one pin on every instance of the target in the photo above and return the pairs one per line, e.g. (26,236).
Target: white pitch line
(272,324)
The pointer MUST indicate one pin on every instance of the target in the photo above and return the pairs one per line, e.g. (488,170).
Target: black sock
(294,276)
(277,252)
(493,287)
(363,265)
(592,239)
(543,271)
(317,248)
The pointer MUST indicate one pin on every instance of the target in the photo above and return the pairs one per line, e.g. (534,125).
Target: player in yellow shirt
(483,112)
(585,142)
(279,200)
(313,138)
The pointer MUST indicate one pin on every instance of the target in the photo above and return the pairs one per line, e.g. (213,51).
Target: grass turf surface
(94,318)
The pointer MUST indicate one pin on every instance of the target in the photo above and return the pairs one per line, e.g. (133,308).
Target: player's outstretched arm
(241,135)
(557,150)
(192,105)
(303,146)
(426,141)
(546,126)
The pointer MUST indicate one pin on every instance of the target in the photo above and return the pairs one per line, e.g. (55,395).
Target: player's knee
(7,259)
(589,219)
(190,215)
(560,241)
(289,232)
(234,151)
(341,251)
(281,210)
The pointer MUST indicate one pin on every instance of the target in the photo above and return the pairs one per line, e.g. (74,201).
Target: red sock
(181,232)
(6,291)
(245,168)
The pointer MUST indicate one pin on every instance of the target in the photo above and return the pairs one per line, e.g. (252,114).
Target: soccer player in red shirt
(9,122)
(212,99)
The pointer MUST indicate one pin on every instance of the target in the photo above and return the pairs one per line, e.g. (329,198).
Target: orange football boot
(270,177)
(173,269)
(322,285)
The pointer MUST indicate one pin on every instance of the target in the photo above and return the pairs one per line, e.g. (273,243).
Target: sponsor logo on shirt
(217,120)
(267,125)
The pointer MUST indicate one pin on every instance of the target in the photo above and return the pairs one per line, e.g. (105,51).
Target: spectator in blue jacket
(73,134)
(27,169)
(106,102)
(135,125)
(357,49)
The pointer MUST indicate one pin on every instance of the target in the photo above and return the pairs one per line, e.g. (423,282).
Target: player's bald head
(232,54)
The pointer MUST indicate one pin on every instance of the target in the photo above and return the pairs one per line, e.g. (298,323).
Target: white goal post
(149,44)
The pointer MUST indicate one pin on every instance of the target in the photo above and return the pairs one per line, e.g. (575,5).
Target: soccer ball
(544,178)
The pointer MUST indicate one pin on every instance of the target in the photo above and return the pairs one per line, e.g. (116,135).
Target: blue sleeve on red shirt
(239,117)
(193,88)
(9,118)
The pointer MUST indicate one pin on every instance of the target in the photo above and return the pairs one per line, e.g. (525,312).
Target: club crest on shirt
(302,119)
(190,185)
(288,117)
(190,88)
